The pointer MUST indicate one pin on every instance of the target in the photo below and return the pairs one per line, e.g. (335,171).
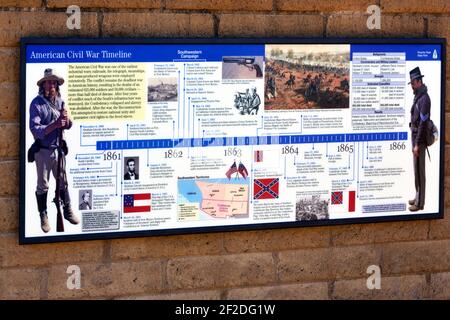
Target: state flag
(137,202)
(266,188)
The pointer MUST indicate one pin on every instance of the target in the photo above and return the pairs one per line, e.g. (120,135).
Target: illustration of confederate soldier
(420,114)
(48,118)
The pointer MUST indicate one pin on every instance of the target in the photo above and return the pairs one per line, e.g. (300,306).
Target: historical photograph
(162,89)
(85,199)
(242,67)
(307,76)
(131,169)
(312,207)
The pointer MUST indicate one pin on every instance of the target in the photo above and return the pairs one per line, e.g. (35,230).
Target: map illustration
(212,198)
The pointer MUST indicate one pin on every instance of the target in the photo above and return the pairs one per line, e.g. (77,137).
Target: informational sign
(128,137)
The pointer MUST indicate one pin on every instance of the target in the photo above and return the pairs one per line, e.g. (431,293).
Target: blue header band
(194,52)
(138,53)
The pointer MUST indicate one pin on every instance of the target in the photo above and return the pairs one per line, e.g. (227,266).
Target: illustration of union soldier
(420,114)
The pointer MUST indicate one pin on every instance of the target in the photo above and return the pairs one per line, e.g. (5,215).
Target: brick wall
(319,263)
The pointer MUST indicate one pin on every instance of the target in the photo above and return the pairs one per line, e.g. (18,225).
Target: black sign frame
(240,227)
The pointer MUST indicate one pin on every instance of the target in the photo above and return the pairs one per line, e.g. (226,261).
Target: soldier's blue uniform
(420,114)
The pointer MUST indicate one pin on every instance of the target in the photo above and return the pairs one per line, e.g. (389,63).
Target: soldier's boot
(42,208)
(414,208)
(69,215)
(412,202)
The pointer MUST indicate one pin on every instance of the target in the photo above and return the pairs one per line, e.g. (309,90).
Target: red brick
(12,254)
(188,295)
(379,232)
(324,5)
(326,264)
(9,214)
(355,25)
(249,25)
(9,178)
(403,287)
(431,6)
(220,271)
(21,3)
(20,283)
(309,291)
(9,101)
(143,4)
(440,286)
(158,24)
(275,240)
(167,246)
(15,25)
(233,5)
(410,257)
(9,65)
(9,147)
(106,280)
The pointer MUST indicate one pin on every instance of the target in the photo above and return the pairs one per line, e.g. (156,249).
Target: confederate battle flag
(266,188)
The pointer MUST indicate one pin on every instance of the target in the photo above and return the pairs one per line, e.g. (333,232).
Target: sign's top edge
(306,40)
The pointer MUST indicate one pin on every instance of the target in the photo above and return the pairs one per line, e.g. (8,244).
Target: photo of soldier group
(312,207)
(247,103)
(307,76)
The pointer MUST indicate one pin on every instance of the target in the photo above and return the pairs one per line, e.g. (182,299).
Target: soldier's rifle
(59,173)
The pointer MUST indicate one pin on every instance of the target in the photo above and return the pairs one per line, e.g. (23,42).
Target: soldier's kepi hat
(50,75)
(415,74)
